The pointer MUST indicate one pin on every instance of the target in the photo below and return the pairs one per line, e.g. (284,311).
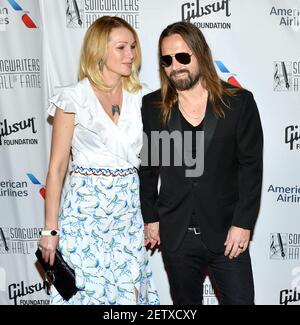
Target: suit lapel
(210,123)
(175,125)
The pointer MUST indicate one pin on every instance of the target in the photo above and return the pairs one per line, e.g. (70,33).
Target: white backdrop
(255,42)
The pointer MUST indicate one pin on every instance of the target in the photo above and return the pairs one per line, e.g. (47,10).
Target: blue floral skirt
(102,239)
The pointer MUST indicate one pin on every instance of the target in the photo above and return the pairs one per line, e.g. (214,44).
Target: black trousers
(187,267)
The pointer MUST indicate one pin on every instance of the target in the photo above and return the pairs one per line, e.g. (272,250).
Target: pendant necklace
(115,109)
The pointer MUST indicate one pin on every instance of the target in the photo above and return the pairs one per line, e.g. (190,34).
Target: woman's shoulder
(75,90)
(75,94)
(70,98)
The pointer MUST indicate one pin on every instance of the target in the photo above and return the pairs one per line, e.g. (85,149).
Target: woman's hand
(151,234)
(48,246)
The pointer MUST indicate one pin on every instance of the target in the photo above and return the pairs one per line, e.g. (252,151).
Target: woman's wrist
(49,225)
(50,232)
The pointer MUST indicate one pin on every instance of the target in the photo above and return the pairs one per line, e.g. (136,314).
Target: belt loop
(196,230)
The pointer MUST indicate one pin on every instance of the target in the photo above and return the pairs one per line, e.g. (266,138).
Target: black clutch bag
(60,275)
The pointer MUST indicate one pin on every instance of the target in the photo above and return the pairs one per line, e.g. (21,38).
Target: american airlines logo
(25,14)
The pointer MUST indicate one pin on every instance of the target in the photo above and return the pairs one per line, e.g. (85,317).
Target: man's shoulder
(151,104)
(243,94)
(237,96)
(153,96)
(240,104)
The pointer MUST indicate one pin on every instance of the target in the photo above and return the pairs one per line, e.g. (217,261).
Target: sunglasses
(182,58)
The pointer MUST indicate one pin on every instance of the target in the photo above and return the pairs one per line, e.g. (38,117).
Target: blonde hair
(94,49)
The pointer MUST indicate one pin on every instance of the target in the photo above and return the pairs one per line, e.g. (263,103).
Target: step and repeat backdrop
(254,42)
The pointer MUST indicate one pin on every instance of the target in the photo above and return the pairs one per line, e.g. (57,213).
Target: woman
(100,225)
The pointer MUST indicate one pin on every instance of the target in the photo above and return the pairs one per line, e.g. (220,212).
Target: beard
(184,84)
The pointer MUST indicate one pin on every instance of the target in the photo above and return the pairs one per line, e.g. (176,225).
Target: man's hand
(237,241)
(151,232)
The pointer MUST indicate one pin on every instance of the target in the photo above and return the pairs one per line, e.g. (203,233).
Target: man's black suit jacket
(228,192)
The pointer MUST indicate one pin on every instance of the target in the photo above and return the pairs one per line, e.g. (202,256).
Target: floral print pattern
(102,239)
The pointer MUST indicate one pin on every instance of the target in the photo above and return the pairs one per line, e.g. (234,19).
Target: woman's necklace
(114,106)
(115,109)
(112,103)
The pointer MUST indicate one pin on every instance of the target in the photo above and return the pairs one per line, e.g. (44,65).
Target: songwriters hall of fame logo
(286,76)
(74,13)
(278,246)
(284,246)
(82,13)
(21,241)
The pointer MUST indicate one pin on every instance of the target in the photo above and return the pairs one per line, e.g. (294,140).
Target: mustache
(176,72)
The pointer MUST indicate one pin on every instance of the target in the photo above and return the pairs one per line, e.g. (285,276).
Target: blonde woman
(99,229)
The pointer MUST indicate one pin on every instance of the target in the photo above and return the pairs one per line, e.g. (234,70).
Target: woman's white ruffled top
(97,141)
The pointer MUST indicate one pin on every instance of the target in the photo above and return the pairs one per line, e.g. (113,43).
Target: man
(202,221)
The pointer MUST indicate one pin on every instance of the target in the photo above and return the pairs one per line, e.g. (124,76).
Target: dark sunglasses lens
(166,60)
(183,58)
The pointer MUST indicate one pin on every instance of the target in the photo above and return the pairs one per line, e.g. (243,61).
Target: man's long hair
(216,88)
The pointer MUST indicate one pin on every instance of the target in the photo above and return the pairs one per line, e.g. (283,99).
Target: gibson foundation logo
(200,12)
(22,241)
(284,246)
(292,137)
(17,291)
(20,73)
(287,17)
(9,130)
(288,296)
(286,76)
(82,13)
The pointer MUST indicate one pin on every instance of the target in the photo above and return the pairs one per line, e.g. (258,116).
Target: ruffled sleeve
(65,100)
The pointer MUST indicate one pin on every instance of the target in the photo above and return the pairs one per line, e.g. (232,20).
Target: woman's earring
(101,62)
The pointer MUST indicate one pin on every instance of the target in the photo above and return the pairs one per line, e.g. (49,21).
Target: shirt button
(195,184)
